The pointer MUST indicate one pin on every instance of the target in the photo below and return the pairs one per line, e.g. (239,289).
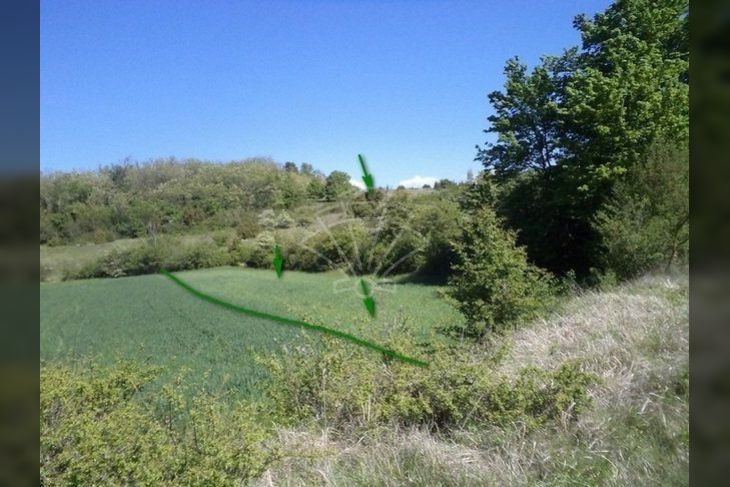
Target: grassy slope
(148,318)
(634,337)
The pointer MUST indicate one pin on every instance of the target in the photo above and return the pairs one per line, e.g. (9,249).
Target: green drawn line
(291,322)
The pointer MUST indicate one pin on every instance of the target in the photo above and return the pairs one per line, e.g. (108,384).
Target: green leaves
(580,120)
(494,286)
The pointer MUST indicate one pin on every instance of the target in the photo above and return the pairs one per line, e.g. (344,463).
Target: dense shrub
(145,258)
(346,387)
(646,224)
(259,252)
(337,186)
(346,244)
(243,251)
(436,220)
(247,225)
(397,245)
(198,256)
(155,254)
(98,429)
(493,284)
(296,257)
(365,205)
(402,253)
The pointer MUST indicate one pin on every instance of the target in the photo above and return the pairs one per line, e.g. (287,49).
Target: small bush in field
(493,284)
(101,235)
(96,429)
(344,244)
(295,255)
(242,252)
(262,250)
(198,256)
(345,387)
(147,258)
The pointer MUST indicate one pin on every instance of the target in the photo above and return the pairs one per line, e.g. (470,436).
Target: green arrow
(368,301)
(292,322)
(366,176)
(278,261)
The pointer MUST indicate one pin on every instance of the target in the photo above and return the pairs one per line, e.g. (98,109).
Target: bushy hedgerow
(97,429)
(494,286)
(153,255)
(346,387)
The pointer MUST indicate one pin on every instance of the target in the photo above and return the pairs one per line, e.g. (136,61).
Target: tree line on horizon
(588,174)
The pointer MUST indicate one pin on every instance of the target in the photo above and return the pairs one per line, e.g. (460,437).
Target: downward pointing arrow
(368,301)
(366,176)
(278,261)
(369,305)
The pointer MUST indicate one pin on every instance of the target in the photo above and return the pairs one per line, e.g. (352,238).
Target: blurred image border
(710,241)
(19,258)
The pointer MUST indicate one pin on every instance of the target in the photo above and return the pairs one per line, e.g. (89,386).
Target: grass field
(150,319)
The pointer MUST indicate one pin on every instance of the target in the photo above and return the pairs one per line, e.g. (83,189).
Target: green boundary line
(291,322)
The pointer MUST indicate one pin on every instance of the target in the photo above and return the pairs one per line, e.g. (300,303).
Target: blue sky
(403,82)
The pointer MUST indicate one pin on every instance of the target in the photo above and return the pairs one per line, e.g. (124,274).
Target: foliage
(337,186)
(164,196)
(247,225)
(315,188)
(345,388)
(270,219)
(570,129)
(646,223)
(444,184)
(155,254)
(389,233)
(97,428)
(555,228)
(493,284)
(339,247)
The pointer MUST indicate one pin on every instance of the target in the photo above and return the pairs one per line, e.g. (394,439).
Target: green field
(150,319)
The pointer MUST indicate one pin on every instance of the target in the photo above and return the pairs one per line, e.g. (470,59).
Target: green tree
(493,285)
(570,129)
(444,184)
(315,189)
(527,118)
(631,87)
(337,185)
(307,169)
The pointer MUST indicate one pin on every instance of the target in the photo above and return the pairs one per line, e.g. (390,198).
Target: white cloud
(357,183)
(418,181)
